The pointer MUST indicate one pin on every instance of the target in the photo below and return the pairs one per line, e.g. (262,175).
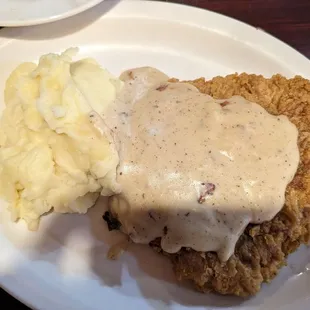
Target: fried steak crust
(262,249)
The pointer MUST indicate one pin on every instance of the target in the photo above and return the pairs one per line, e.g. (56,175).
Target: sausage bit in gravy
(196,171)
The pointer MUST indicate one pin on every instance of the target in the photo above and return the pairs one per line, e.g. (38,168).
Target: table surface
(286,19)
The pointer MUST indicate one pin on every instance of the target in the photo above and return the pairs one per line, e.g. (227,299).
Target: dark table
(289,20)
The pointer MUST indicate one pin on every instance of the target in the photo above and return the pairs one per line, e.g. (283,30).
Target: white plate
(64,265)
(33,12)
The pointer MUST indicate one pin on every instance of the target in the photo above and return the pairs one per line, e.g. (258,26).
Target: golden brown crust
(261,251)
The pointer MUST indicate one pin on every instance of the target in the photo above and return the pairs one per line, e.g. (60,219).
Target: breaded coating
(262,249)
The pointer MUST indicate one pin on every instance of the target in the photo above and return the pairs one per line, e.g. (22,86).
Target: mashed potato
(56,152)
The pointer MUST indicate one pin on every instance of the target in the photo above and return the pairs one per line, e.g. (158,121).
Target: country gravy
(193,170)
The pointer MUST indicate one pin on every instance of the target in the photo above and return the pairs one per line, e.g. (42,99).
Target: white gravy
(196,171)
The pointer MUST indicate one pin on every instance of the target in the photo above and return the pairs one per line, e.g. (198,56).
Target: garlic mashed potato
(56,153)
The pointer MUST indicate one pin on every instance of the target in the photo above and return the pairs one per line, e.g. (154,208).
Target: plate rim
(17,290)
(264,40)
(44,20)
